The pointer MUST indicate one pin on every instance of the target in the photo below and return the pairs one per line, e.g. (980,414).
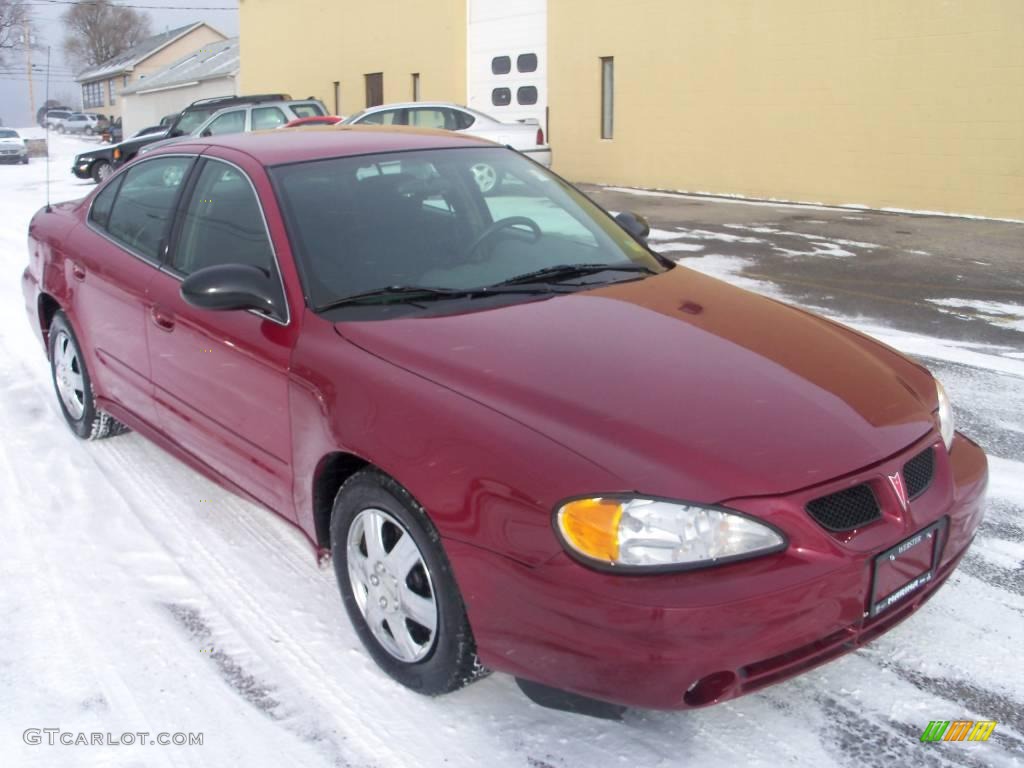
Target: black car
(100,163)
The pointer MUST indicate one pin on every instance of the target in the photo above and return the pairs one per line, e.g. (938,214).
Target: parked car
(54,117)
(99,163)
(81,122)
(526,136)
(249,117)
(12,147)
(42,112)
(529,442)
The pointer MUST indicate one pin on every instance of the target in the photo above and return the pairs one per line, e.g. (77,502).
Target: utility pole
(28,67)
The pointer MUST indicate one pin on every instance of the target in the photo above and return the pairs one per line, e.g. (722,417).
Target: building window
(607,97)
(526,62)
(125,81)
(92,95)
(415,86)
(374,89)
(526,95)
(501,97)
(112,89)
(501,65)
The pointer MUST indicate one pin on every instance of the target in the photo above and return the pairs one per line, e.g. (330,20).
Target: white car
(79,122)
(12,147)
(525,136)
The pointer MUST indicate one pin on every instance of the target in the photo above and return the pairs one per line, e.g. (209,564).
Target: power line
(45,3)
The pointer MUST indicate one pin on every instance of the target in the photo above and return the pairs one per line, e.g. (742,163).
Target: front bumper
(13,156)
(676,641)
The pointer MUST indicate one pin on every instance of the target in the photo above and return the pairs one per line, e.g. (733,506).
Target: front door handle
(162,319)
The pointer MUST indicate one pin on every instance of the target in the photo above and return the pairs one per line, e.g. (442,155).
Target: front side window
(231,122)
(426,218)
(264,118)
(222,224)
(145,204)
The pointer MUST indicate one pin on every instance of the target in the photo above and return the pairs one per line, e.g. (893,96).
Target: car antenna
(47,124)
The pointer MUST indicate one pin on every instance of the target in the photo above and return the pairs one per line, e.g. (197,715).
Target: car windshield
(460,219)
(6,134)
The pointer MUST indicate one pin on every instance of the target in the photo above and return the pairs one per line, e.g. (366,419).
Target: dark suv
(100,163)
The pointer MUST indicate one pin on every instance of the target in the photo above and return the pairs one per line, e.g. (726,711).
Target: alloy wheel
(392,585)
(486,177)
(67,372)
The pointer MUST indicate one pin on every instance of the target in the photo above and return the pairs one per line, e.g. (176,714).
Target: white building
(208,72)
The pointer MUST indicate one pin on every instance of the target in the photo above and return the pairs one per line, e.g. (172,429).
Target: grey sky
(14,101)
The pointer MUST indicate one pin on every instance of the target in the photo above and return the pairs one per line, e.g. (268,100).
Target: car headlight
(945,416)
(649,535)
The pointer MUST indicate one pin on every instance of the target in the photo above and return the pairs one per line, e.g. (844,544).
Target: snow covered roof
(142,50)
(213,60)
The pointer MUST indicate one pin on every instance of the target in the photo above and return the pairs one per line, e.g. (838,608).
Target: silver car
(242,118)
(526,136)
(12,147)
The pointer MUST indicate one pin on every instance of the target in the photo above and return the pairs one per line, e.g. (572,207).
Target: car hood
(679,384)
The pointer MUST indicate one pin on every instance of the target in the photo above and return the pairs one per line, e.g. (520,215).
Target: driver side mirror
(206,132)
(231,287)
(635,224)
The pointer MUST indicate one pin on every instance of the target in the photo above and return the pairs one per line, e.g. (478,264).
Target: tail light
(540,136)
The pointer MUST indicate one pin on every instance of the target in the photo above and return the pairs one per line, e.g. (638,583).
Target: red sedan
(530,443)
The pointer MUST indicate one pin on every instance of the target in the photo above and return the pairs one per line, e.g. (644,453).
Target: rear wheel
(397,586)
(73,386)
(101,170)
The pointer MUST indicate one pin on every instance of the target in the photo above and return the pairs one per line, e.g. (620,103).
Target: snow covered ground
(135,596)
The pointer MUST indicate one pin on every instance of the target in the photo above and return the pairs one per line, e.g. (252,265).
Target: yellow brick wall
(301,47)
(909,104)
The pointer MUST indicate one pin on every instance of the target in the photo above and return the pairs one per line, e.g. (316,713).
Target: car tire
(100,171)
(60,129)
(24,160)
(88,130)
(385,546)
(73,386)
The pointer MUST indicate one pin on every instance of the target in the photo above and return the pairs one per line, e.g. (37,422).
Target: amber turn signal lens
(591,527)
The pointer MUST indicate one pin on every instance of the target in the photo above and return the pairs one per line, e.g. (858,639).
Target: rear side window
(145,204)
(100,211)
(267,117)
(311,109)
(223,224)
(462,119)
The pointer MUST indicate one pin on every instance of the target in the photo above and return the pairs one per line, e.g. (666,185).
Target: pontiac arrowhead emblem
(896,481)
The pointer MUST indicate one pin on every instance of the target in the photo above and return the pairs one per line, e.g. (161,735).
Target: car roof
(275,147)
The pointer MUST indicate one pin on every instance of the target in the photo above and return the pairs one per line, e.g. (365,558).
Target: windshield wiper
(567,271)
(411,293)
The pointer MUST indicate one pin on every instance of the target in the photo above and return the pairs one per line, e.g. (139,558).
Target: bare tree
(12,19)
(98,31)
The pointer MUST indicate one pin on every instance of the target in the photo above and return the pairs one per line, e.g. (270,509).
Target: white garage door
(508,51)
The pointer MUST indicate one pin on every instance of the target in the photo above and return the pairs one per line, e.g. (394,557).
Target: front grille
(846,510)
(918,472)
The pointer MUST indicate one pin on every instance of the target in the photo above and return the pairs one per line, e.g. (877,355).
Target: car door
(221,378)
(115,258)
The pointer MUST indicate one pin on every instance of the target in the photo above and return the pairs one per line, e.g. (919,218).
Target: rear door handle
(163,320)
(77,271)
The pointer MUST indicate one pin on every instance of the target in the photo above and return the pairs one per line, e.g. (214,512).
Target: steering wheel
(502,224)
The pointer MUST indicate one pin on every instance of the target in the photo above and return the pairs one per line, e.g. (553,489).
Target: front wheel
(397,586)
(73,386)
(101,170)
